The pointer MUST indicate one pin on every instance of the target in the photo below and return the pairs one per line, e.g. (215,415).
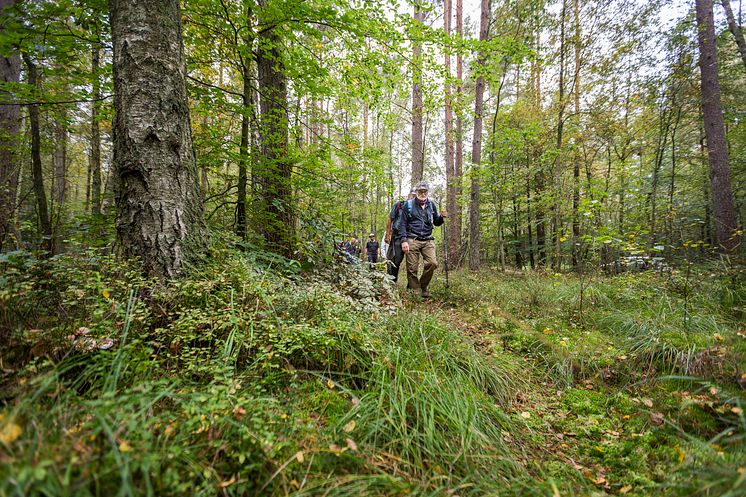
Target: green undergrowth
(640,389)
(241,380)
(250,377)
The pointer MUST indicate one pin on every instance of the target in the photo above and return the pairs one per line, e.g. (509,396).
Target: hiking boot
(425,293)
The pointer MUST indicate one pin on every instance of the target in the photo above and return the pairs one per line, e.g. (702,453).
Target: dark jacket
(418,222)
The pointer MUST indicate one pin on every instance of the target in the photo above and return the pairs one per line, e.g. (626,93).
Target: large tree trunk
(42,209)
(476,147)
(418,144)
(159,203)
(10,124)
(60,160)
(273,167)
(556,207)
(722,197)
(734,28)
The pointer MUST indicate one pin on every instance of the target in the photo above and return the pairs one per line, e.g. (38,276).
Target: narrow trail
(589,428)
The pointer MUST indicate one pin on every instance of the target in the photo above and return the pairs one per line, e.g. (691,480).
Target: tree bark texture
(735,29)
(451,177)
(476,147)
(576,162)
(418,144)
(42,208)
(273,168)
(454,217)
(10,125)
(159,203)
(722,197)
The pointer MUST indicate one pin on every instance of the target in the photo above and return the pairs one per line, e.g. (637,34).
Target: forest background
(569,141)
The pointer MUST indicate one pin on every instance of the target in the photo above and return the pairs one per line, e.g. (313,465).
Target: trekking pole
(445,251)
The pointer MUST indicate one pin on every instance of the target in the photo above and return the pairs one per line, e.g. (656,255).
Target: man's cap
(422,185)
(372,234)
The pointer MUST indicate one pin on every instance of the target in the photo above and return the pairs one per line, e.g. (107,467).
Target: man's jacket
(418,221)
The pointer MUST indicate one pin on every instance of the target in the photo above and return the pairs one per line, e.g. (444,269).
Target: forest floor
(251,377)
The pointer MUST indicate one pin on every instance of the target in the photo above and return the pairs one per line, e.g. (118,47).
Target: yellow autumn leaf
(124,446)
(228,483)
(737,410)
(10,432)
(625,489)
(106,294)
(525,414)
(299,456)
(681,453)
(547,331)
(169,429)
(349,427)
(330,384)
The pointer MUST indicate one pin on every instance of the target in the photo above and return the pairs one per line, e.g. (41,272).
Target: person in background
(394,254)
(372,248)
(419,216)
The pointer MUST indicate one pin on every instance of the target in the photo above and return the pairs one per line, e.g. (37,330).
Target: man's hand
(387,238)
(405,247)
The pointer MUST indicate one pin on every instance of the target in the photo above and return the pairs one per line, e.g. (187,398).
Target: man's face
(422,194)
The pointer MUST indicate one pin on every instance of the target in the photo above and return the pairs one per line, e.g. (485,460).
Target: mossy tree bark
(272,174)
(159,204)
(10,125)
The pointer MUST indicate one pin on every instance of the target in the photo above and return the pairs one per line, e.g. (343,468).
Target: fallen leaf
(647,402)
(124,446)
(169,429)
(349,427)
(336,449)
(737,410)
(625,489)
(10,432)
(525,414)
(713,391)
(330,384)
(547,331)
(228,483)
(299,456)
(656,418)
(351,444)
(106,294)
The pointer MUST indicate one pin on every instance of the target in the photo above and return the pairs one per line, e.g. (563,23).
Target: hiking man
(372,248)
(394,254)
(419,216)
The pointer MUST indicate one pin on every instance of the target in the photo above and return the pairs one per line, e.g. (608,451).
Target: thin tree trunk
(418,144)
(42,210)
(576,162)
(159,203)
(60,159)
(451,178)
(557,260)
(476,147)
(10,126)
(455,217)
(734,28)
(722,196)
(95,157)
